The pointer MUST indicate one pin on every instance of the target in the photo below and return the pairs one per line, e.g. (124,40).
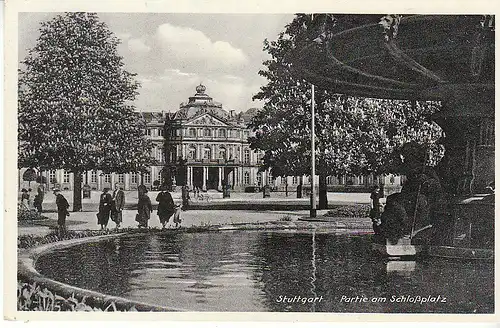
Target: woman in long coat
(166,206)
(105,203)
(118,204)
(62,210)
(144,209)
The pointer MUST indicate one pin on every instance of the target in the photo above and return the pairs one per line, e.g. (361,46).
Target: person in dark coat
(105,203)
(117,205)
(25,198)
(37,203)
(144,209)
(166,206)
(185,197)
(62,209)
(41,195)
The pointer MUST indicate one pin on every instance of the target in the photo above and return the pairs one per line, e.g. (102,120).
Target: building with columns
(212,144)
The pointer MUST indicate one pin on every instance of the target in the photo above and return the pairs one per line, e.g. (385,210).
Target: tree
(354,135)
(75,103)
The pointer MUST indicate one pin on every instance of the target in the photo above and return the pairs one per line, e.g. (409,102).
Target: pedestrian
(37,203)
(375,208)
(166,206)
(30,199)
(117,205)
(25,198)
(144,209)
(177,216)
(185,197)
(41,195)
(105,203)
(62,209)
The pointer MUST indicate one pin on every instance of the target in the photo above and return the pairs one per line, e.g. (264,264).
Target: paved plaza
(86,219)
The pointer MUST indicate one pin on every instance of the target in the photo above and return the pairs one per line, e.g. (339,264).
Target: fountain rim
(26,268)
(27,258)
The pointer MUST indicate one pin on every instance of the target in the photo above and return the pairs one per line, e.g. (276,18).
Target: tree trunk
(77,191)
(323,191)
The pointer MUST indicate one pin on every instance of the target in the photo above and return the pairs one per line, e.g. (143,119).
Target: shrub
(31,297)
(24,214)
(28,241)
(352,211)
(285,218)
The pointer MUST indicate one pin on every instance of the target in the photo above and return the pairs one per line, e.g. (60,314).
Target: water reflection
(270,271)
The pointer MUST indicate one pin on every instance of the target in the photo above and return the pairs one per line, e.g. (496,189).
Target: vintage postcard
(249,161)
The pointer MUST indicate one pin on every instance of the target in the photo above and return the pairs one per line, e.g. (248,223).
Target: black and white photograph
(303,162)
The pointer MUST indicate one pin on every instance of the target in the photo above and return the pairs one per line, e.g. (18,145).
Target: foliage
(33,297)
(350,211)
(286,218)
(28,241)
(354,135)
(74,101)
(29,175)
(24,214)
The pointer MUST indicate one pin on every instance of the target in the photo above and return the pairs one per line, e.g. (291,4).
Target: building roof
(198,105)
(201,103)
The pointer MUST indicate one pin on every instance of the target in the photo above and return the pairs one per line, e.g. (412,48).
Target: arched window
(192,152)
(93,177)
(246,156)
(147,178)
(133,177)
(246,178)
(259,179)
(207,132)
(222,133)
(207,153)
(65,176)
(222,153)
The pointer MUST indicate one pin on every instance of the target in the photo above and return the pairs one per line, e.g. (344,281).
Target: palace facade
(212,145)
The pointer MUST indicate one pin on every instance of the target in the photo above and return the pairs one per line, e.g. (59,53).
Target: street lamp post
(313,158)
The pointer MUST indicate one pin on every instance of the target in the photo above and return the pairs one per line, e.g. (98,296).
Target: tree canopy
(354,135)
(75,98)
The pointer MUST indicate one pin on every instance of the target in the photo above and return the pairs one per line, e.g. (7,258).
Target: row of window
(152,132)
(222,153)
(134,177)
(221,133)
(205,132)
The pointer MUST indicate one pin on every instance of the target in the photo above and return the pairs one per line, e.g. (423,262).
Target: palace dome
(200,103)
(201,89)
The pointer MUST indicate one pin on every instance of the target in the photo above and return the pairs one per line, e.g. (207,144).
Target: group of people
(37,201)
(111,206)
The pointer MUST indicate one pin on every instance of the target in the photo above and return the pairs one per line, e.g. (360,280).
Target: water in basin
(271,271)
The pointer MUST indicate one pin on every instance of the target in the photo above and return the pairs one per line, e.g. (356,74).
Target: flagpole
(313,158)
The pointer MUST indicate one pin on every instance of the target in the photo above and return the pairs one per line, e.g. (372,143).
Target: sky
(173,53)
